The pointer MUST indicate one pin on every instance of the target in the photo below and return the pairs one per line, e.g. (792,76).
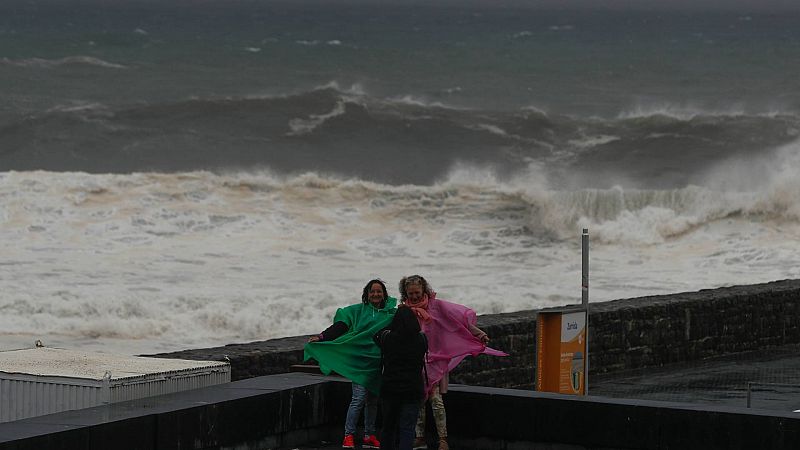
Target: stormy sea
(181,174)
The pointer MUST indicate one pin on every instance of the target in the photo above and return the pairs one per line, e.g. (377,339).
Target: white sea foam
(592,141)
(90,109)
(497,131)
(354,89)
(494,129)
(688,111)
(535,110)
(770,181)
(152,262)
(300,127)
(69,60)
(414,100)
(315,42)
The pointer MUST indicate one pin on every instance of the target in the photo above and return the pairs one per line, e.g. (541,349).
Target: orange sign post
(561,351)
(562,347)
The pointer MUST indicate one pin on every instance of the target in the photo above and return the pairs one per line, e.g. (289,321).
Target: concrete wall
(281,411)
(503,419)
(623,334)
(654,331)
(291,410)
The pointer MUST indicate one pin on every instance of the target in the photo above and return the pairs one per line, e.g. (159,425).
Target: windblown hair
(365,294)
(414,279)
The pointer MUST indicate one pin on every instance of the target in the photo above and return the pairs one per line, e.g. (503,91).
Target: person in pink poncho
(452,335)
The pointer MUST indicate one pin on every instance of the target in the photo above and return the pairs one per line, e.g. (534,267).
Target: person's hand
(484,338)
(314,338)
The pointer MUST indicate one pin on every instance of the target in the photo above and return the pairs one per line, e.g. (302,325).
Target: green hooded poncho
(354,355)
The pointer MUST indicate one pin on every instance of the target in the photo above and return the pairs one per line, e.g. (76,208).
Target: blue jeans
(362,399)
(399,419)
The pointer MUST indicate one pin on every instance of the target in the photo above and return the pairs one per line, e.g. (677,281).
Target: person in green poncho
(347,348)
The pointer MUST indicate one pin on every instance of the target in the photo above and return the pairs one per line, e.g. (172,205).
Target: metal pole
(585,303)
(752,385)
(585,268)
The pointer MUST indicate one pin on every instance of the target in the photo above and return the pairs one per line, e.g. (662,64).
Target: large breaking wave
(157,261)
(347,132)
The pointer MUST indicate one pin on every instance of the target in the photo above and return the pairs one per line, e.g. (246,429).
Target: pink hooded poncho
(450,339)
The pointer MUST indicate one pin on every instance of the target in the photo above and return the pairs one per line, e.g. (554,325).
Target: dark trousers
(399,420)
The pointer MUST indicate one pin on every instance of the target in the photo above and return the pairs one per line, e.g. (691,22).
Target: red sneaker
(370,441)
(348,441)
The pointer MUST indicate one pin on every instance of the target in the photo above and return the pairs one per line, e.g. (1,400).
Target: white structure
(41,380)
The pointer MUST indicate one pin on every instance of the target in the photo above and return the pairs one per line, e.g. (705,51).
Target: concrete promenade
(722,381)
(774,375)
(689,406)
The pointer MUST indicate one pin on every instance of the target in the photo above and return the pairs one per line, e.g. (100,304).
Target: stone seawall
(623,334)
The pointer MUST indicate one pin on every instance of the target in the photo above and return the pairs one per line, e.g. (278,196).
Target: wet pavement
(773,377)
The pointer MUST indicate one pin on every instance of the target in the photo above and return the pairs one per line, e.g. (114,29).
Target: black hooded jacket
(403,348)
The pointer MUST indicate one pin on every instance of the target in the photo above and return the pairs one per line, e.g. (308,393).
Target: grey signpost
(585,302)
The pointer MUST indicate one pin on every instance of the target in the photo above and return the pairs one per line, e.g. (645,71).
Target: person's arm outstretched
(480,334)
(330,333)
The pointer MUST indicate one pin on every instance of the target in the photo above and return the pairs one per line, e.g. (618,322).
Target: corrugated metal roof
(44,361)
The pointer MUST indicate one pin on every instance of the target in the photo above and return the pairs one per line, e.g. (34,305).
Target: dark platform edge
(296,409)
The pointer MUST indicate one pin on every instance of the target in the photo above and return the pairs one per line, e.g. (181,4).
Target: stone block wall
(623,334)
(659,330)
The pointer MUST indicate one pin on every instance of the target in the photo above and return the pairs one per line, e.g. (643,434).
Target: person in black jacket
(403,347)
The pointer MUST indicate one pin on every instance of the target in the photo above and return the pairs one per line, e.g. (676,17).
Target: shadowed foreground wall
(291,410)
(623,334)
